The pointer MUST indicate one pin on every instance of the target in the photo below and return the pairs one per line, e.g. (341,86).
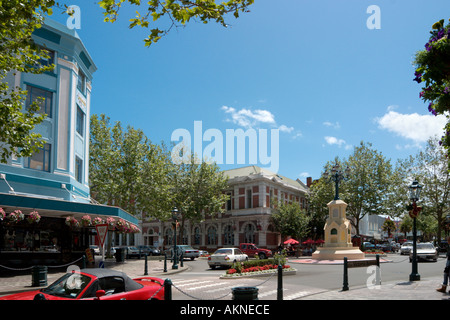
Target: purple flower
(446,90)
(431,109)
(421,94)
(418,77)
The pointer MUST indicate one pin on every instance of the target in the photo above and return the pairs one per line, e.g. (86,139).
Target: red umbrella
(291,241)
(309,241)
(320,241)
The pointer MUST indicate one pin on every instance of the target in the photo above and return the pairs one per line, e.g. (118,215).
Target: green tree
(127,170)
(197,190)
(19,53)
(388,226)
(173,13)
(368,188)
(429,167)
(290,220)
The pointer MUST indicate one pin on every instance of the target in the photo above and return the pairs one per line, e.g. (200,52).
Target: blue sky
(312,69)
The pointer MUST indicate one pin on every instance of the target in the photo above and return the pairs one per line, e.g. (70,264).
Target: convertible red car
(96,283)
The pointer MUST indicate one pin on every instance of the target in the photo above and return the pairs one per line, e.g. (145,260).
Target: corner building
(53,182)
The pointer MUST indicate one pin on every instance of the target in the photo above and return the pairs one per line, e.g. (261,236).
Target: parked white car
(425,251)
(225,257)
(406,248)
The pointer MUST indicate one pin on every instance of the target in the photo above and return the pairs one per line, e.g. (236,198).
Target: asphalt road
(201,282)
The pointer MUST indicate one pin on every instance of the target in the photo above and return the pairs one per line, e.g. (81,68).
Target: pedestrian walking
(443,288)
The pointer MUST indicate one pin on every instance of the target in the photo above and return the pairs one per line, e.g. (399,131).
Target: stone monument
(338,243)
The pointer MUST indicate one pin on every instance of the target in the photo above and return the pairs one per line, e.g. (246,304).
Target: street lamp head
(414,191)
(174,213)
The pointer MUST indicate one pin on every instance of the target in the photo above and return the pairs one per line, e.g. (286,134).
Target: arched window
(334,231)
(249,233)
(212,235)
(168,237)
(197,236)
(228,235)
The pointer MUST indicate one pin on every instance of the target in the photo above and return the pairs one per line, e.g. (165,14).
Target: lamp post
(337,175)
(175,249)
(414,194)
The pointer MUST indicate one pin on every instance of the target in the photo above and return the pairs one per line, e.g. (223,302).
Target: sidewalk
(425,289)
(134,268)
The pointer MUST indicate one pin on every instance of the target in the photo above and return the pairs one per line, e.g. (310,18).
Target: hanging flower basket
(86,221)
(111,222)
(123,226)
(33,217)
(134,229)
(97,221)
(16,216)
(2,214)
(72,222)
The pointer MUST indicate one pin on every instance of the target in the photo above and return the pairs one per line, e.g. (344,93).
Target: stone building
(246,217)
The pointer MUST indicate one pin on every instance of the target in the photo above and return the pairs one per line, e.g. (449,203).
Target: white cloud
(335,125)
(339,142)
(284,128)
(416,127)
(334,140)
(250,118)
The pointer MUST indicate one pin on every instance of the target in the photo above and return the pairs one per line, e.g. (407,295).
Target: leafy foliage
(18,53)
(433,68)
(177,12)
(290,220)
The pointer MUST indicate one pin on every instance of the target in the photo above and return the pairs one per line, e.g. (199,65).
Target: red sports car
(96,283)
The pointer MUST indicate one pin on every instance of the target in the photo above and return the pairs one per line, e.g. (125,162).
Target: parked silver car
(406,248)
(187,251)
(425,251)
(225,257)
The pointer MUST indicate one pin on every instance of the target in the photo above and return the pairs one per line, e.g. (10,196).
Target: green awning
(61,208)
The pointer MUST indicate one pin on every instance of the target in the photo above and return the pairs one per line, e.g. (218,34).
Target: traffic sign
(102,230)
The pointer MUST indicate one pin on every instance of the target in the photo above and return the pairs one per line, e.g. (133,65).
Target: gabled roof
(254,172)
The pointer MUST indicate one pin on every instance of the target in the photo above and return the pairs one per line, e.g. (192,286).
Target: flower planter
(264,273)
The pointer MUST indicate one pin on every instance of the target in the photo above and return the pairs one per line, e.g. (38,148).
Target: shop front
(36,231)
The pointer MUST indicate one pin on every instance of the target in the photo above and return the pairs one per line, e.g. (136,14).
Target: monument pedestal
(337,231)
(338,253)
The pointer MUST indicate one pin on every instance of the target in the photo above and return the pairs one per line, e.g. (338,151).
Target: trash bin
(245,293)
(120,254)
(39,276)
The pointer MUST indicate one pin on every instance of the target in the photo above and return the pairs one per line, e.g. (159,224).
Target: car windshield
(223,251)
(425,246)
(407,244)
(69,285)
(186,247)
